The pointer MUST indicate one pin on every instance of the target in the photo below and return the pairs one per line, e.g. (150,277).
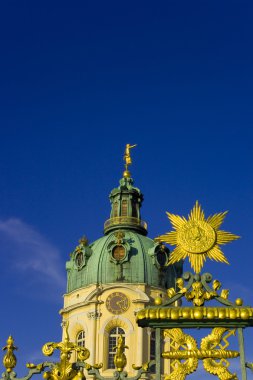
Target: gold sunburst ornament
(197,238)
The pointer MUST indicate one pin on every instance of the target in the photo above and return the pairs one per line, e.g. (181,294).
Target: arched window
(115,209)
(124,208)
(80,339)
(134,210)
(112,342)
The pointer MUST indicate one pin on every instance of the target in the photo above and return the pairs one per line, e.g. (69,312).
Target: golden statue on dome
(127,158)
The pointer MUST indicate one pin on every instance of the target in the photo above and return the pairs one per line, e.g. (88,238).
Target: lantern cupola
(126,201)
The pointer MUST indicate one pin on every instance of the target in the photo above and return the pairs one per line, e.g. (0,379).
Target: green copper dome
(125,254)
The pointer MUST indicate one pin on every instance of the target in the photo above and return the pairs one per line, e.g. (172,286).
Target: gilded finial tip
(10,340)
(9,360)
(83,240)
(126,174)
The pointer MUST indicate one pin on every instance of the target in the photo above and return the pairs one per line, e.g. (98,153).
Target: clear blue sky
(81,79)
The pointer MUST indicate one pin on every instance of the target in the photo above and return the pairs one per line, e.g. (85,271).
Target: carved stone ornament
(94,314)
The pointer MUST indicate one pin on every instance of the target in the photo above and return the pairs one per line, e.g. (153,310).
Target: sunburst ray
(224,237)
(177,255)
(197,262)
(197,213)
(216,254)
(217,219)
(176,220)
(170,238)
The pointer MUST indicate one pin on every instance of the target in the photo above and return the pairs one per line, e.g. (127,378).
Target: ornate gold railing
(65,369)
(125,221)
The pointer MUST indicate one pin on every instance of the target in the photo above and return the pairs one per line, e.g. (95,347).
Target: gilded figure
(120,359)
(127,155)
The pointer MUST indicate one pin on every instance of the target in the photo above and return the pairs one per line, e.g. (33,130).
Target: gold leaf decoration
(197,238)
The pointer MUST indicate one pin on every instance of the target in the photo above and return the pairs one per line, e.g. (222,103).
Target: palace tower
(111,279)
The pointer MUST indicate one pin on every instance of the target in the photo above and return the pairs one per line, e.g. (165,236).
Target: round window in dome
(119,252)
(79,259)
(162,258)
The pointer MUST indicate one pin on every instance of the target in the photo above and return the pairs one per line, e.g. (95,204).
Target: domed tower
(112,278)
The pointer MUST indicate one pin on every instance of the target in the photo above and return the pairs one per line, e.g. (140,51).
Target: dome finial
(127,159)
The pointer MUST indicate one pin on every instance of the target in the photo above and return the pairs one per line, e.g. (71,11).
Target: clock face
(117,303)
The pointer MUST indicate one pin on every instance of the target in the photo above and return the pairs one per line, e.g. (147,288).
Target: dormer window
(79,259)
(119,252)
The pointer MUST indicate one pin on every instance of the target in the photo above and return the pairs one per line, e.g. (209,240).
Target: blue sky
(79,80)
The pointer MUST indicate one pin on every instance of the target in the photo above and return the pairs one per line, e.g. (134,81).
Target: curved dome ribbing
(124,254)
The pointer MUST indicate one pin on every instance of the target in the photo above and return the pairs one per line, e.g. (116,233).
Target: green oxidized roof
(124,254)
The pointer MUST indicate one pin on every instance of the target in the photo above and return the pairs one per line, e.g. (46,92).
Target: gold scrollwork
(212,348)
(64,369)
(186,342)
(219,368)
(198,294)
